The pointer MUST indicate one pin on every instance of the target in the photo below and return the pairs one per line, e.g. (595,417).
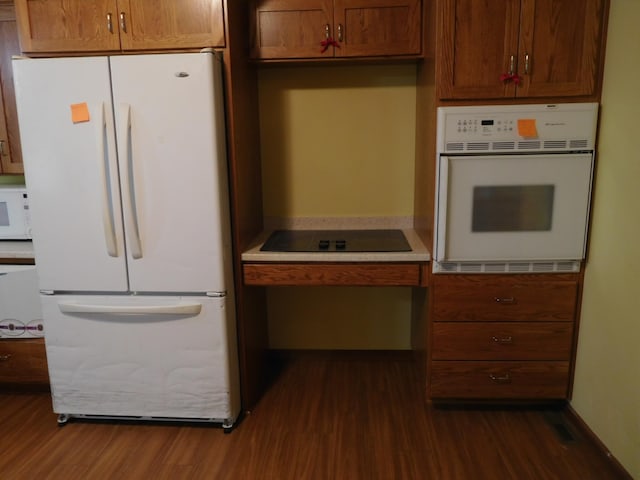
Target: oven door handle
(441,208)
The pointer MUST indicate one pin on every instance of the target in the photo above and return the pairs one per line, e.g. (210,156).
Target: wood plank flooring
(327,415)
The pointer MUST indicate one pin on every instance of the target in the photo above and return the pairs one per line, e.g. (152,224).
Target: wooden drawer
(23,361)
(466,298)
(502,341)
(358,274)
(499,380)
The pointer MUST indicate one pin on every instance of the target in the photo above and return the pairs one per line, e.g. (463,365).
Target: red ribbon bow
(511,77)
(329,42)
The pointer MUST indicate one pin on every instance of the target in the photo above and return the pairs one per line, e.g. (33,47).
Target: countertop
(418,253)
(16,249)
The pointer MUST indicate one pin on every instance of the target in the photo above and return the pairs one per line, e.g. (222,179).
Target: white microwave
(15,221)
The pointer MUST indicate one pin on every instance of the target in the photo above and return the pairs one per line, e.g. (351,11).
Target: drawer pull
(506,378)
(505,300)
(502,340)
(4,358)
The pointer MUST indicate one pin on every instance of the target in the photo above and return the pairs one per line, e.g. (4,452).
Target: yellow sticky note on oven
(527,128)
(79,112)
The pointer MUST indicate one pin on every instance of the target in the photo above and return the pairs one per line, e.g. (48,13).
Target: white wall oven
(513,187)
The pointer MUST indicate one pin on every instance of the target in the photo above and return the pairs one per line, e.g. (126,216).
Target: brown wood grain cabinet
(519,48)
(23,362)
(502,336)
(290,29)
(10,150)
(337,274)
(113,25)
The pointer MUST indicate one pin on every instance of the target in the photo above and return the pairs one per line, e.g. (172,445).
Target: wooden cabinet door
(10,151)
(377,27)
(292,28)
(67,25)
(163,24)
(477,41)
(560,47)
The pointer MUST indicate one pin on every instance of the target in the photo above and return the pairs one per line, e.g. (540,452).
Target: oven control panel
(484,126)
(503,127)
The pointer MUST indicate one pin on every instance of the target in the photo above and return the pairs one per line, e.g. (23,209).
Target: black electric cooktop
(336,241)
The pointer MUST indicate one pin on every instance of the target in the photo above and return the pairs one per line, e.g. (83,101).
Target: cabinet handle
(505,300)
(503,340)
(110,23)
(123,23)
(340,32)
(506,378)
(2,149)
(4,358)
(327,31)
(512,65)
(526,64)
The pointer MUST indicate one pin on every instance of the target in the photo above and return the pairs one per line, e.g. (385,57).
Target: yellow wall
(338,141)
(607,382)
(11,179)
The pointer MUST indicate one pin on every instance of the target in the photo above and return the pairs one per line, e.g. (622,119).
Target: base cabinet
(502,336)
(23,362)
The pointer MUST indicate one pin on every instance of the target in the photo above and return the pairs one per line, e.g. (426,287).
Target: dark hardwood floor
(327,415)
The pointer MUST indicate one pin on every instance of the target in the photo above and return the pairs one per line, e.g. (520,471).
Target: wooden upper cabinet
(559,47)
(10,151)
(519,48)
(291,28)
(113,25)
(336,28)
(67,25)
(377,27)
(151,24)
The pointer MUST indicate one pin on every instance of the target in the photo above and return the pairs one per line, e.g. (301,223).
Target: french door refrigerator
(125,166)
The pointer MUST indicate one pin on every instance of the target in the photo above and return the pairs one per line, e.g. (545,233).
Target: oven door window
(512,207)
(4,214)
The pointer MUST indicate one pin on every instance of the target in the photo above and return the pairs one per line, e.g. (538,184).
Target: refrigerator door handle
(191,309)
(129,182)
(107,201)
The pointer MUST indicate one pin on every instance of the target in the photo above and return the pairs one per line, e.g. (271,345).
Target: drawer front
(540,301)
(23,361)
(502,341)
(370,274)
(499,380)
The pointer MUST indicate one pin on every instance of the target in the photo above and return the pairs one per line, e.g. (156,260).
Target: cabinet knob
(109,23)
(123,22)
(506,378)
(502,340)
(526,64)
(2,149)
(505,300)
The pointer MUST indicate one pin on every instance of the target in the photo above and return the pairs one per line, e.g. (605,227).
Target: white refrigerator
(125,165)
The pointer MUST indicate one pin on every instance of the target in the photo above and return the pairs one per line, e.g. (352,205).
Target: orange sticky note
(527,128)
(79,112)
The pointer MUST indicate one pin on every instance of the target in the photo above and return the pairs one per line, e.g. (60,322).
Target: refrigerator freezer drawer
(143,356)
